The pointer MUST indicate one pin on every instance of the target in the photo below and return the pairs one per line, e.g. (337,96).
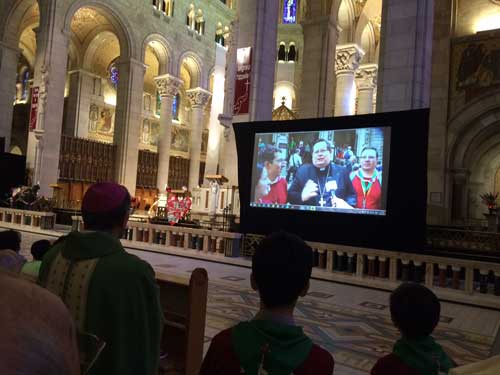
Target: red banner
(34,107)
(243,79)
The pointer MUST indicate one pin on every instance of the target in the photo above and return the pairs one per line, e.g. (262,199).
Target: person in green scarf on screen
(415,311)
(272,343)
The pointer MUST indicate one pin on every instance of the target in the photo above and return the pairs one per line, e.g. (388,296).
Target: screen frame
(403,226)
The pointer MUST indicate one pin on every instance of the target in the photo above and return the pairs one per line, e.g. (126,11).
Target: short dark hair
(319,140)
(415,310)
(106,221)
(39,249)
(281,267)
(10,240)
(370,148)
(268,154)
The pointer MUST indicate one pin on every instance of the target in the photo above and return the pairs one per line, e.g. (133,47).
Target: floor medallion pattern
(355,337)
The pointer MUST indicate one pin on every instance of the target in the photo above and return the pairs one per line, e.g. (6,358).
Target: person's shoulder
(223,339)
(319,361)
(391,364)
(124,263)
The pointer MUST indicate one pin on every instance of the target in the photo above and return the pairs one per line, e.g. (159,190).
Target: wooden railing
(25,219)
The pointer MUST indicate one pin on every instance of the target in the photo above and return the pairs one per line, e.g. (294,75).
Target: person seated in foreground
(37,332)
(38,250)
(272,343)
(110,293)
(10,246)
(415,311)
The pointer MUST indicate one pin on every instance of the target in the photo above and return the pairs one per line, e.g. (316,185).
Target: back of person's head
(39,249)
(10,240)
(106,206)
(268,154)
(415,310)
(281,269)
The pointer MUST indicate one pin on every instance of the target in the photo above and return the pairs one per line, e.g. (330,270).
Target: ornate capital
(168,85)
(366,76)
(348,58)
(198,97)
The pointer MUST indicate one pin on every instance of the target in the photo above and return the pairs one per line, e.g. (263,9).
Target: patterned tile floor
(353,323)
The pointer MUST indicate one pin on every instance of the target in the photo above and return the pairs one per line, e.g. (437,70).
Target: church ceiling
(85,21)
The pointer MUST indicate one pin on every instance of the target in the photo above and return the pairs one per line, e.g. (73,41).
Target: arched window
(199,25)
(158,103)
(282,52)
(219,35)
(175,107)
(190,17)
(25,85)
(292,52)
(289,11)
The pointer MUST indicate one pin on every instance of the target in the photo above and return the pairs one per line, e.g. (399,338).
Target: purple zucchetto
(104,197)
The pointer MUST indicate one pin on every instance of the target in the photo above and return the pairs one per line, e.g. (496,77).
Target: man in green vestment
(111,294)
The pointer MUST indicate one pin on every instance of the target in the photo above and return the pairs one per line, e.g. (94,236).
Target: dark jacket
(307,172)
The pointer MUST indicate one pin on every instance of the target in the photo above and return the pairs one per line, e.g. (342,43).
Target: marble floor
(353,323)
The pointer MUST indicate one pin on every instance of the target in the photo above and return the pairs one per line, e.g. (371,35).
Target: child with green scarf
(415,311)
(272,343)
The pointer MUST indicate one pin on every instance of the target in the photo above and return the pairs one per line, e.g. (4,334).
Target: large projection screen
(356,180)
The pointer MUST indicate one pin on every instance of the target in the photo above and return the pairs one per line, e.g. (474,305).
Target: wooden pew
(184,304)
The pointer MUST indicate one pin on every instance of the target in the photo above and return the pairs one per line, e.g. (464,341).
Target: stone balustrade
(460,280)
(24,219)
(209,242)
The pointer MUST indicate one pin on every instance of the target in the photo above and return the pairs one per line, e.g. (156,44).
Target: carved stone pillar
(9,57)
(366,81)
(128,122)
(50,77)
(198,98)
(168,87)
(346,63)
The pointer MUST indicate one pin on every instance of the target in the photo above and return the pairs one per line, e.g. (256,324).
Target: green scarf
(277,348)
(423,355)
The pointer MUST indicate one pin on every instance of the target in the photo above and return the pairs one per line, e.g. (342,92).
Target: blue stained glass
(114,75)
(26,78)
(175,107)
(289,11)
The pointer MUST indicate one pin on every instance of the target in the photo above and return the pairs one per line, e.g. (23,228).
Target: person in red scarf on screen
(367,181)
(273,162)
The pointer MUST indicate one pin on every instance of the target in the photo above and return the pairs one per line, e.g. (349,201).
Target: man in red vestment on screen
(272,161)
(367,181)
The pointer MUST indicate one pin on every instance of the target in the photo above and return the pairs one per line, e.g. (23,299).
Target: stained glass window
(175,107)
(26,78)
(113,74)
(158,103)
(289,11)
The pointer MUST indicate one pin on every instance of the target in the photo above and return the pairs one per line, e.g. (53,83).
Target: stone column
(128,122)
(215,128)
(9,56)
(198,98)
(50,77)
(81,90)
(405,57)
(346,64)
(320,39)
(168,87)
(366,81)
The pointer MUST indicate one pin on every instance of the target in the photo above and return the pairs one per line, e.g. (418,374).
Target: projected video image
(333,171)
